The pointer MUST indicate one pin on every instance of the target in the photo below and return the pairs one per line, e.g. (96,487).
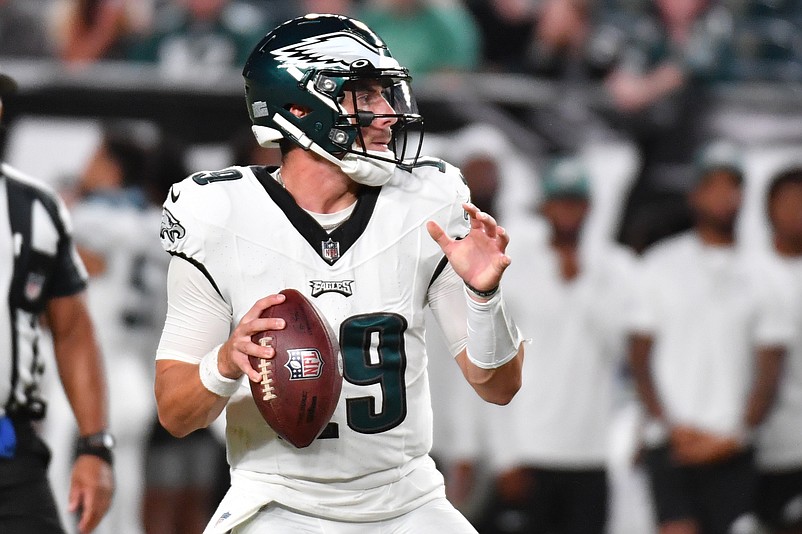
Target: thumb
(438,234)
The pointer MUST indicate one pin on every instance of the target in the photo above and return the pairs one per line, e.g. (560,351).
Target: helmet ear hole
(298,111)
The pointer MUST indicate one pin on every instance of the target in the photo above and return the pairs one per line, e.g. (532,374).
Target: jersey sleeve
(197,318)
(182,232)
(189,213)
(775,321)
(69,274)
(447,302)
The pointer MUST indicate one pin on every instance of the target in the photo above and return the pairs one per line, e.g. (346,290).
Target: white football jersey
(370,278)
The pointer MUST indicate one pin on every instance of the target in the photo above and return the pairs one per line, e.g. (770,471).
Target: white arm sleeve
(447,302)
(198,319)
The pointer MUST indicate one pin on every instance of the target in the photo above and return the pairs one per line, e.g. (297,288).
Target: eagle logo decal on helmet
(339,49)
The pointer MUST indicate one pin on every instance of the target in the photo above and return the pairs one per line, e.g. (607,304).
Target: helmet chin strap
(361,169)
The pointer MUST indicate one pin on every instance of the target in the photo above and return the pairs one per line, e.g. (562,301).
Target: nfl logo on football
(304,364)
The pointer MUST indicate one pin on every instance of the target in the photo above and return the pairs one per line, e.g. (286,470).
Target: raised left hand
(479,258)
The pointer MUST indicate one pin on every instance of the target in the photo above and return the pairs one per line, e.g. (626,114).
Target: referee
(41,276)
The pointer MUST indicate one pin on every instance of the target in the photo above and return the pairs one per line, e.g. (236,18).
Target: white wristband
(211,378)
(493,338)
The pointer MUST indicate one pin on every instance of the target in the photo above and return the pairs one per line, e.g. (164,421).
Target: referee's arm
(80,369)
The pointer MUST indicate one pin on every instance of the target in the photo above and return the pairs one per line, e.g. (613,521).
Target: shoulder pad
(224,175)
(192,205)
(436,168)
(428,161)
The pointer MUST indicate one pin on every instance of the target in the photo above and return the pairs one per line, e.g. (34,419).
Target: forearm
(663,80)
(764,388)
(497,386)
(79,362)
(640,348)
(183,402)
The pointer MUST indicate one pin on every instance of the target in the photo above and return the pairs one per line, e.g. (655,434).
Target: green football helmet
(310,62)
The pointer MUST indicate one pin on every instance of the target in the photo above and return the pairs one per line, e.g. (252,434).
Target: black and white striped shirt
(38,262)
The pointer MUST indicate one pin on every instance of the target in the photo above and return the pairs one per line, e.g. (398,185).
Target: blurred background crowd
(609,104)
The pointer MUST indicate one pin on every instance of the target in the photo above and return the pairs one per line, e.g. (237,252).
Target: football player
(372,237)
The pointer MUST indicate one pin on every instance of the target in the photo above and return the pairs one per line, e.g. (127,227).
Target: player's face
(717,199)
(370,97)
(786,211)
(566,215)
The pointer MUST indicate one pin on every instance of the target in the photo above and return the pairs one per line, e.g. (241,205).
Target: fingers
(89,515)
(91,491)
(438,234)
(233,358)
(261,305)
(503,237)
(489,224)
(473,214)
(486,222)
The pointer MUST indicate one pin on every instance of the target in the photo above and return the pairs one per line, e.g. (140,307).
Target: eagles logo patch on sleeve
(171,230)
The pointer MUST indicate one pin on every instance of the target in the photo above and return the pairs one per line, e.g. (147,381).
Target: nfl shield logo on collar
(330,250)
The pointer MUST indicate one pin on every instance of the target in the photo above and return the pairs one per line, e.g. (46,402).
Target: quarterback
(372,237)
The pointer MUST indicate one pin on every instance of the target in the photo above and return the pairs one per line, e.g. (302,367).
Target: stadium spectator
(429,36)
(709,335)
(21,31)
(572,298)
(90,30)
(207,37)
(507,28)
(338,7)
(665,58)
(561,36)
(779,445)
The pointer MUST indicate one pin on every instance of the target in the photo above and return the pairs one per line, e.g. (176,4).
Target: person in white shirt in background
(779,441)
(709,335)
(571,299)
(111,213)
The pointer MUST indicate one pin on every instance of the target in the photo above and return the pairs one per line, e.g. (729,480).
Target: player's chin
(378,147)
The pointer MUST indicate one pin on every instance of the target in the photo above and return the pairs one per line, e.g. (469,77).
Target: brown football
(301,385)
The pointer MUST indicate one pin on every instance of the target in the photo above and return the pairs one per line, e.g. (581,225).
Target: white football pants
(435,517)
